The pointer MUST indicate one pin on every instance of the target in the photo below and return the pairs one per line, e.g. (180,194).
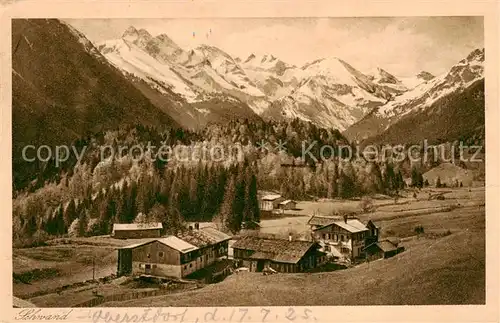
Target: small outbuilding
(383,249)
(270,202)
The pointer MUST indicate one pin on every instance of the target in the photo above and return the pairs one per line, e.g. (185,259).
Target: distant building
(174,256)
(343,238)
(288,205)
(136,230)
(383,249)
(282,255)
(270,202)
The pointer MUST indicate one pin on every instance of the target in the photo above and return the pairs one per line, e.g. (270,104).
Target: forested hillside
(88,196)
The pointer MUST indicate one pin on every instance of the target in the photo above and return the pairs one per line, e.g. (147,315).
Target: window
(341,237)
(160,254)
(335,237)
(324,236)
(328,236)
(149,255)
(190,265)
(185,267)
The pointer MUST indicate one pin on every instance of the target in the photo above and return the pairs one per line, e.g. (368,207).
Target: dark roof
(384,245)
(203,237)
(394,240)
(322,220)
(279,250)
(136,226)
(371,223)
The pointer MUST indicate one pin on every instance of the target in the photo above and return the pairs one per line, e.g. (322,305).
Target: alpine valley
(147,174)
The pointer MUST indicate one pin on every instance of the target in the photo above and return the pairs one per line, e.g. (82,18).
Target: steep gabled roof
(370,223)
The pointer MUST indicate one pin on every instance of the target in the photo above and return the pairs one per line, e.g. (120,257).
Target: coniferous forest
(85,198)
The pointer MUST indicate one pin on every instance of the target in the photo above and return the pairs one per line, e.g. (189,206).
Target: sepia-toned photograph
(272,161)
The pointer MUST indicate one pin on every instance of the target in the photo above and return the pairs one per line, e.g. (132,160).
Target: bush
(419,229)
(366,204)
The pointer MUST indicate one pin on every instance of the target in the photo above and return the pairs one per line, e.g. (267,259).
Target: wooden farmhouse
(270,202)
(383,249)
(136,230)
(174,256)
(286,256)
(343,238)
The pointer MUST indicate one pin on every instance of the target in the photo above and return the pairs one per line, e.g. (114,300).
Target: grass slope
(433,270)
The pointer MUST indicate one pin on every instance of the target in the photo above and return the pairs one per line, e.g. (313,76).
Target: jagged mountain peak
(386,77)
(136,36)
(476,55)
(424,75)
(130,31)
(250,57)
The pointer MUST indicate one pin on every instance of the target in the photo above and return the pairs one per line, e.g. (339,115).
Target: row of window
(340,237)
(188,257)
(160,254)
(342,249)
(335,237)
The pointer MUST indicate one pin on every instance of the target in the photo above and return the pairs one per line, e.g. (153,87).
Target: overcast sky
(402,46)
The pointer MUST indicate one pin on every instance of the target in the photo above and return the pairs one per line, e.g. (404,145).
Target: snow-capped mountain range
(328,92)
(423,97)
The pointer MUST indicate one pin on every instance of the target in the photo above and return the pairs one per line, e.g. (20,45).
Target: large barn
(287,256)
(136,230)
(174,256)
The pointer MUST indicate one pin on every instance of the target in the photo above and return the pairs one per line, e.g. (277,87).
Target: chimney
(197,226)
(345,218)
(289,237)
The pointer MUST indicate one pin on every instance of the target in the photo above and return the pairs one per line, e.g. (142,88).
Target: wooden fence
(134,295)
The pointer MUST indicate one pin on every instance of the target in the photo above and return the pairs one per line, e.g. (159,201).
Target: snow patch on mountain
(461,76)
